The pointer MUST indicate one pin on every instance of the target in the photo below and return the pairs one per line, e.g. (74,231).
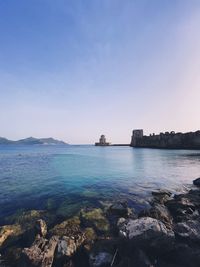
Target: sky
(76,69)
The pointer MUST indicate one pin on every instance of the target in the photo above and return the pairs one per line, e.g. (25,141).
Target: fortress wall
(189,140)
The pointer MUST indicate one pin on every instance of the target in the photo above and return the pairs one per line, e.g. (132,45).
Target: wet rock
(188,230)
(147,231)
(94,218)
(40,254)
(101,259)
(161,196)
(41,227)
(159,212)
(9,234)
(120,221)
(197,182)
(70,227)
(71,236)
(28,218)
(119,209)
(182,208)
(90,237)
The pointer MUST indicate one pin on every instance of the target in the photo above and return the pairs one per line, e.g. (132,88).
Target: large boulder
(197,182)
(189,230)
(148,232)
(182,208)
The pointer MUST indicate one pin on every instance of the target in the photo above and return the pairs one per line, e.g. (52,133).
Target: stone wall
(190,140)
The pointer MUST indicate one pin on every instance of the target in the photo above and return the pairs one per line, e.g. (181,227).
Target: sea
(64,179)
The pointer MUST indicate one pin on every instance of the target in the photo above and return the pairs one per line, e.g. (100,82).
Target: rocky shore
(166,235)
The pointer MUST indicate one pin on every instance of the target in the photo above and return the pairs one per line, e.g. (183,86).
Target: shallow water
(63,179)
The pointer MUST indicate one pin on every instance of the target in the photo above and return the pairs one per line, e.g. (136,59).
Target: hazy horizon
(74,70)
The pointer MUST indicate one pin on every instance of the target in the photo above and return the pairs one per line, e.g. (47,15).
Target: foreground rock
(147,232)
(197,182)
(182,208)
(189,230)
(40,254)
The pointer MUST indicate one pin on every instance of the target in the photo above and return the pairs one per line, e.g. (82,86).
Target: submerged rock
(94,218)
(9,234)
(161,196)
(197,182)
(70,227)
(119,209)
(28,218)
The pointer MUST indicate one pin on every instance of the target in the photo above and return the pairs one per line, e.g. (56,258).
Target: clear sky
(75,69)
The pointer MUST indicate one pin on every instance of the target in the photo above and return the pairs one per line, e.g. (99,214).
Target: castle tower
(137,134)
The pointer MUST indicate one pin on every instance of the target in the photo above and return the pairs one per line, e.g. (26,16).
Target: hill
(32,141)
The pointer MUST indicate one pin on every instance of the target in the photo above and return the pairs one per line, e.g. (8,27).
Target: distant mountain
(32,141)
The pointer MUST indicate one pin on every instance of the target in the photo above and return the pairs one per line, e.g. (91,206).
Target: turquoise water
(65,178)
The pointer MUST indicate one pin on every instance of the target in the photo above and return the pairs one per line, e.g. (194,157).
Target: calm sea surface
(64,179)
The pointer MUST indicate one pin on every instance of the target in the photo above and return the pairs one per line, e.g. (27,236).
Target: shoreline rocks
(165,235)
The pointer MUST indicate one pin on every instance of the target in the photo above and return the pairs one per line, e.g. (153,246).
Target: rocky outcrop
(165,235)
(197,182)
(41,253)
(10,234)
(189,230)
(147,231)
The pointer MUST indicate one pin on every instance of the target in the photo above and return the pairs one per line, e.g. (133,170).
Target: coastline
(165,235)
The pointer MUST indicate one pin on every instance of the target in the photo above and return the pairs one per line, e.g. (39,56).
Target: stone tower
(137,134)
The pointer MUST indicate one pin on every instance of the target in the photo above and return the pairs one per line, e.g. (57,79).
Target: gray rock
(101,259)
(161,196)
(188,230)
(182,208)
(147,232)
(159,212)
(197,182)
(66,247)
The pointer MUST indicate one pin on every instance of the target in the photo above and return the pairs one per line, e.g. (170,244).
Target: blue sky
(76,69)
